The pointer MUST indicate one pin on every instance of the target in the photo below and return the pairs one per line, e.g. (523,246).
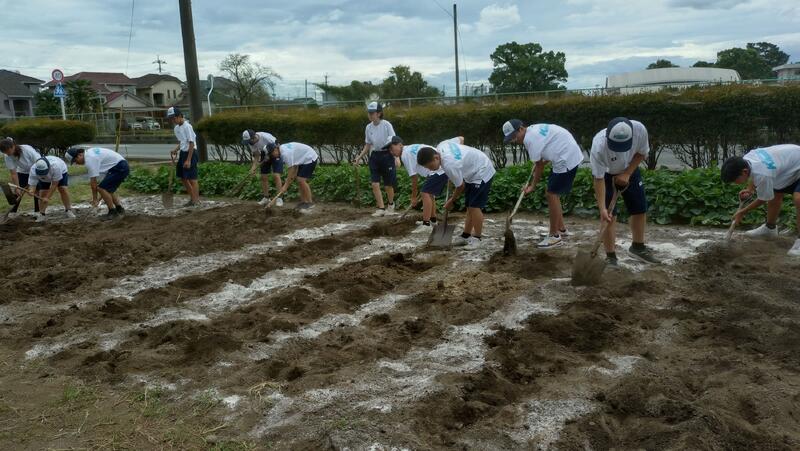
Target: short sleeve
(366,136)
(10,163)
(644,142)
(764,187)
(190,136)
(599,167)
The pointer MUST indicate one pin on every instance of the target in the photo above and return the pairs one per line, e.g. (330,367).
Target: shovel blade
(510,243)
(442,235)
(168,199)
(10,197)
(587,268)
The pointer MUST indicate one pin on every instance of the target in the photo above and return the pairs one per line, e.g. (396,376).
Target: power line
(130,38)
(160,62)
(443,8)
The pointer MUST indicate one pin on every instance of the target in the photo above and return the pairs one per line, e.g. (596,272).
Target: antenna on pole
(455,39)
(160,62)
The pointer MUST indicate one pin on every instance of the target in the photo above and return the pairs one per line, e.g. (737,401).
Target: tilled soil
(230,329)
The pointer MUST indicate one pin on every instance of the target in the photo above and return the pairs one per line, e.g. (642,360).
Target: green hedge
(696,197)
(50,136)
(702,126)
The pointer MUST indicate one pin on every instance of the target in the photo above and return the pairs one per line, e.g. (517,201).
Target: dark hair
(425,155)
(732,168)
(6,144)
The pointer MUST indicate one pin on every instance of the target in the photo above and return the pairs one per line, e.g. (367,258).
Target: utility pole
(159,61)
(192,73)
(325,92)
(306,89)
(455,39)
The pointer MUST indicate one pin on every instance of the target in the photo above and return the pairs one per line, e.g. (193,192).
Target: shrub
(50,136)
(701,126)
(696,197)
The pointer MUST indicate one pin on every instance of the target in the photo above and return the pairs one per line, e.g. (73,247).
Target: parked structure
(788,72)
(653,80)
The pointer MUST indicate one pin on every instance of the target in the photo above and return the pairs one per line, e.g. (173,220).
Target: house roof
(13,84)
(99,79)
(149,80)
(115,95)
(787,66)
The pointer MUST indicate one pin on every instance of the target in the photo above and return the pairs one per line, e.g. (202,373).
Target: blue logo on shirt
(544,129)
(456,151)
(413,150)
(766,159)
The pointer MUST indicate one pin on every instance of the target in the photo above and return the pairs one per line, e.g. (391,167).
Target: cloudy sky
(305,39)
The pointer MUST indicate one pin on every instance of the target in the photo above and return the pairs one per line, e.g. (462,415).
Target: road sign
(57,75)
(60,92)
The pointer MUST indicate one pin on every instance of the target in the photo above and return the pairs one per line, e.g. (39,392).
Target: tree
(46,104)
(251,81)
(81,97)
(747,62)
(402,83)
(661,64)
(770,53)
(525,67)
(703,64)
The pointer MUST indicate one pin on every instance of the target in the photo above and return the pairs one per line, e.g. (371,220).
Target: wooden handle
(605,225)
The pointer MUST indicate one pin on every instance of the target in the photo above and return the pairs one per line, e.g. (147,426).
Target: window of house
(173,94)
(168,94)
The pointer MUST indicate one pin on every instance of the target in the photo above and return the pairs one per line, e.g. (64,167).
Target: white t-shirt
(409,160)
(377,135)
(464,164)
(27,157)
(552,143)
(57,170)
(295,154)
(264,138)
(772,168)
(99,160)
(605,161)
(185,135)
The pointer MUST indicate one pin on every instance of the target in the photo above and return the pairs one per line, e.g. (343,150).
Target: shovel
(587,268)
(10,197)
(405,213)
(238,188)
(442,234)
(729,235)
(510,243)
(168,198)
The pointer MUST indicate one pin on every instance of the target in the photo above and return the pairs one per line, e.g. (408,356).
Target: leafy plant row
(696,196)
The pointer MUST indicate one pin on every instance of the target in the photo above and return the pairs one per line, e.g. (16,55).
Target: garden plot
(227,327)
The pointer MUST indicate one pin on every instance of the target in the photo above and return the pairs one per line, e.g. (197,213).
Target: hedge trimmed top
(49,134)
(725,115)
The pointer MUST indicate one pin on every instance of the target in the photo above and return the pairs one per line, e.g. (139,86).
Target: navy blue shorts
(561,184)
(41,186)
(477,195)
(635,200)
(187,174)
(306,171)
(23,179)
(381,166)
(115,176)
(792,188)
(435,184)
(271,167)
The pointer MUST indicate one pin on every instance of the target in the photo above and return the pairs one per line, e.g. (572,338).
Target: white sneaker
(279,202)
(422,228)
(762,232)
(795,250)
(460,241)
(40,217)
(390,209)
(70,214)
(550,241)
(472,242)
(264,201)
(378,213)
(563,234)
(13,215)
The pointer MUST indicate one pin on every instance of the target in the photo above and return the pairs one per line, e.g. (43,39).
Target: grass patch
(150,402)
(77,395)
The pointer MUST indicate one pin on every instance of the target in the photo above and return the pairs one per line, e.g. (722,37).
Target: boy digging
(258,142)
(48,175)
(471,172)
(549,143)
(773,172)
(102,161)
(186,167)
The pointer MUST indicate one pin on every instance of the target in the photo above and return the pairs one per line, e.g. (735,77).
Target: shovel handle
(729,235)
(25,191)
(606,224)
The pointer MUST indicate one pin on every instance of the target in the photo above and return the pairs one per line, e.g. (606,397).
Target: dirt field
(225,328)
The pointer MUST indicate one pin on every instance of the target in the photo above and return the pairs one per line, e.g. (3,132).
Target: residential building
(162,91)
(16,94)
(788,71)
(653,80)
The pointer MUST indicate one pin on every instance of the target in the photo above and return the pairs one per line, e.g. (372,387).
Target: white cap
(619,134)
(374,107)
(246,135)
(42,167)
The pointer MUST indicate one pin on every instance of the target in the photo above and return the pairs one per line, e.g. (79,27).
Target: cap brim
(616,146)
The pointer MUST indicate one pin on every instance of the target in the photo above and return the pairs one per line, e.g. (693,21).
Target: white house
(162,91)
(653,80)
(788,71)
